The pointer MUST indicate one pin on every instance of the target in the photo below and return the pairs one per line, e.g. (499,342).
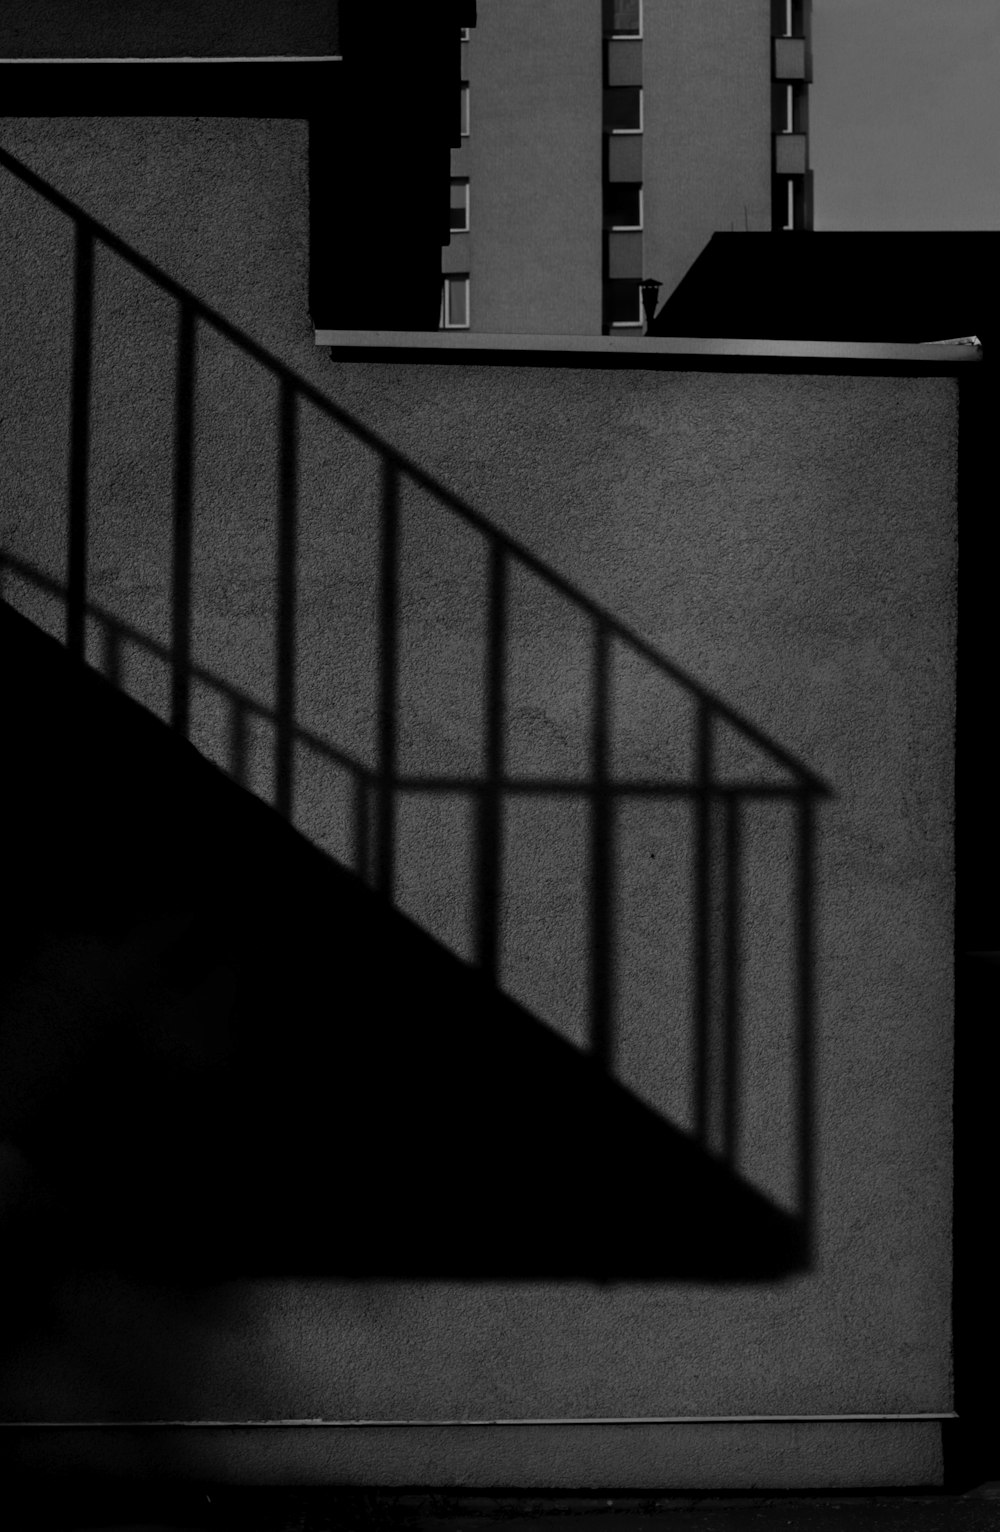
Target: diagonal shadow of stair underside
(225,1056)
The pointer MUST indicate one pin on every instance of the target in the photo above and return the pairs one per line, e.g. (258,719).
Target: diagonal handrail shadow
(715,800)
(91,229)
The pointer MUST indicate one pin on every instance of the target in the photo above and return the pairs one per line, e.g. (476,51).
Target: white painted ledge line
(638,346)
(201,58)
(587,1420)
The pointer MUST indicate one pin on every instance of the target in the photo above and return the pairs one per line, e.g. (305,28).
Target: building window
(623,205)
(791,203)
(788,18)
(622,18)
(624,304)
(793,108)
(455,303)
(623,109)
(465,108)
(466,33)
(794,18)
(459,204)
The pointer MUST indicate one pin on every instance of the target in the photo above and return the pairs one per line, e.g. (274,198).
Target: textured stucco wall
(787,542)
(707,87)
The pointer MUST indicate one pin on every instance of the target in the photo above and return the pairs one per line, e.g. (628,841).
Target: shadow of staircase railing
(734,810)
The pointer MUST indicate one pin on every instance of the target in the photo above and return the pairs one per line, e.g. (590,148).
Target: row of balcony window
(455,286)
(622,298)
(789,119)
(622,109)
(622,191)
(620,18)
(622,205)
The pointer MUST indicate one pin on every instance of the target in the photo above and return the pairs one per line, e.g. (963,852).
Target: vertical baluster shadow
(489,834)
(805,982)
(601,912)
(79,439)
(180,593)
(285,637)
(702,916)
(731,983)
(388,684)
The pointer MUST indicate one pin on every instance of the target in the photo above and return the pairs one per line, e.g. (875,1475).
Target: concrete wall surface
(707,90)
(533,156)
(633,689)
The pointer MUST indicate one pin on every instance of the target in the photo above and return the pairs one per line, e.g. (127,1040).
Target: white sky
(905,114)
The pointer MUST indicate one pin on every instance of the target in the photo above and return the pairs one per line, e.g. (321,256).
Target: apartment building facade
(605,141)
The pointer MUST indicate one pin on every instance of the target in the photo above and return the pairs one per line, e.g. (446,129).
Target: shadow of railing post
(731,969)
(388,681)
(183,512)
(702,922)
(79,439)
(717,806)
(805,1006)
(601,935)
(489,830)
(285,635)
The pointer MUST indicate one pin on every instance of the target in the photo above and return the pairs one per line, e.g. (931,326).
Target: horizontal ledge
(588,1420)
(200,58)
(643,346)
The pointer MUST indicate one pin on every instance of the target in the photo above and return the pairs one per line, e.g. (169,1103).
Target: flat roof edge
(187,58)
(642,346)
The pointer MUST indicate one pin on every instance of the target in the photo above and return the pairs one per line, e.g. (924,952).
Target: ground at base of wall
(271,1509)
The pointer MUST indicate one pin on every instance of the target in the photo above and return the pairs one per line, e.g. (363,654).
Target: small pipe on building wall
(587,1420)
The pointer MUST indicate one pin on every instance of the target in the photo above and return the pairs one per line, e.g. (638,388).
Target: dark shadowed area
(225,1055)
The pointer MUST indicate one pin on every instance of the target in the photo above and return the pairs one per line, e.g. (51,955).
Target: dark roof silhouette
(902,287)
